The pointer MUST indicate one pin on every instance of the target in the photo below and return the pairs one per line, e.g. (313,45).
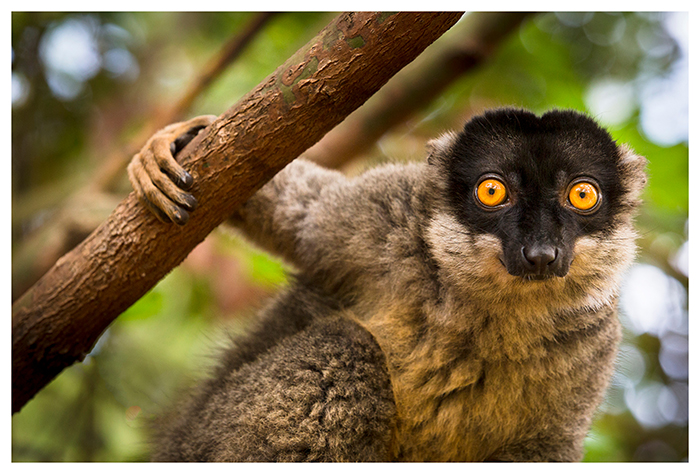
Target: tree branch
(469,45)
(60,318)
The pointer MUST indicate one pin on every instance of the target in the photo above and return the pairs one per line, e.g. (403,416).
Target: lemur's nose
(539,259)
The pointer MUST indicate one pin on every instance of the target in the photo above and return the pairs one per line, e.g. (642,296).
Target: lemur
(459,309)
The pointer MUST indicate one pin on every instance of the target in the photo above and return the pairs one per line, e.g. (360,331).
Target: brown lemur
(461,309)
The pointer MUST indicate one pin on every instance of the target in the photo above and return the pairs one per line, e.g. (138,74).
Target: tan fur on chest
(443,420)
(454,404)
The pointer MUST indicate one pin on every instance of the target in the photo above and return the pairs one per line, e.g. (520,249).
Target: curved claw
(158,179)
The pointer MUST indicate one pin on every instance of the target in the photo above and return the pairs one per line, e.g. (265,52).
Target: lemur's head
(539,199)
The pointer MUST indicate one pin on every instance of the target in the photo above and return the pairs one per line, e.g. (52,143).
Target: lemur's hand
(159,181)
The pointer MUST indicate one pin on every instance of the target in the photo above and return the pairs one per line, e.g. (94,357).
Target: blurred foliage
(124,66)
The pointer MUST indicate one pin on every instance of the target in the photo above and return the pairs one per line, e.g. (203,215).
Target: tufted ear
(439,148)
(632,172)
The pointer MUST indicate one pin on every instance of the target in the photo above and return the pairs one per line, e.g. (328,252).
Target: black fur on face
(537,159)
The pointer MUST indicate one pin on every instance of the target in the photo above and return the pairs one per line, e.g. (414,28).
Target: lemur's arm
(315,218)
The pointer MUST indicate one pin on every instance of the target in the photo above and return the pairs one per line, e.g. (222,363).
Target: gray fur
(404,339)
(308,385)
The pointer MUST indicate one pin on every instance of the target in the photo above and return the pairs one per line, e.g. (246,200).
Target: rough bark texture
(60,318)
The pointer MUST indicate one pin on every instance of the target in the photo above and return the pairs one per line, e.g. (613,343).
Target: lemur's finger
(171,141)
(161,147)
(156,212)
(155,196)
(134,178)
(163,182)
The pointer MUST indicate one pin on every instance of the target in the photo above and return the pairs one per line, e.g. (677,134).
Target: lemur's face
(538,184)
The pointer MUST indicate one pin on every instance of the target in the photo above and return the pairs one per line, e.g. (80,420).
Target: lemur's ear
(439,148)
(632,174)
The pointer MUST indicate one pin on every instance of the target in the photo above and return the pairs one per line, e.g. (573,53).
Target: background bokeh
(84,85)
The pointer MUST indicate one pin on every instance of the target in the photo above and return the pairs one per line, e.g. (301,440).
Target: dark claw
(185,180)
(181,217)
(191,203)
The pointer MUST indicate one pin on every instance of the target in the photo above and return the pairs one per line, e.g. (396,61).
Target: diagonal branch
(470,43)
(59,319)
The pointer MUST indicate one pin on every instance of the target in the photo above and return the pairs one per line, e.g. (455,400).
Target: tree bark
(59,319)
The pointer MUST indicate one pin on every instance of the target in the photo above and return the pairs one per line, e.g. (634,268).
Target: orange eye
(491,192)
(583,196)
